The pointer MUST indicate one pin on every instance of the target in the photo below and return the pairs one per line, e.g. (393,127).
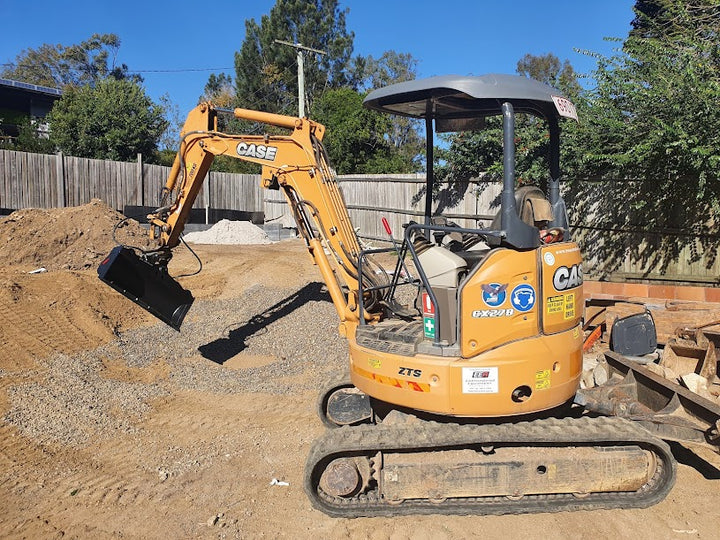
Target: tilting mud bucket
(147,285)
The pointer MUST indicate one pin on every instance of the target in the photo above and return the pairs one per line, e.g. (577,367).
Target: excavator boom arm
(295,163)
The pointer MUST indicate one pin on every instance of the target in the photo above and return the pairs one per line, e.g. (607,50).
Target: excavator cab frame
(461,103)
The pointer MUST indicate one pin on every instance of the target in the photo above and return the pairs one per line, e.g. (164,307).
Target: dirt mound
(65,238)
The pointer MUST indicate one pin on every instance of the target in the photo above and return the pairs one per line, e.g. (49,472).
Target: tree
(57,65)
(393,67)
(652,121)
(266,71)
(356,137)
(219,90)
(114,120)
(471,154)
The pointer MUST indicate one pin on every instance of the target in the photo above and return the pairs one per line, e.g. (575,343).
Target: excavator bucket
(147,285)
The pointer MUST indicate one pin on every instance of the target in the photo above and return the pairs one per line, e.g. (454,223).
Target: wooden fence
(46,181)
(55,181)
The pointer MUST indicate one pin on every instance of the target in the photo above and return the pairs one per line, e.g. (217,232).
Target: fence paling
(45,181)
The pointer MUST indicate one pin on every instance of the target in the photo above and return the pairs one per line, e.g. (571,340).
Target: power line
(181,70)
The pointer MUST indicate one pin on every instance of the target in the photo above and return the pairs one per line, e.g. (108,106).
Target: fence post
(60,180)
(139,180)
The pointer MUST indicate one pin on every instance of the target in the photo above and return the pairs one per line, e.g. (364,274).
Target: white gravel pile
(230,232)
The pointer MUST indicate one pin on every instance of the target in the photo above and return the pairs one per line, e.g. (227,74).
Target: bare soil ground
(114,426)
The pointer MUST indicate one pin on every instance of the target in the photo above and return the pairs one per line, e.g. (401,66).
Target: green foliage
(652,120)
(470,154)
(58,65)
(31,137)
(392,67)
(266,72)
(219,90)
(114,120)
(356,138)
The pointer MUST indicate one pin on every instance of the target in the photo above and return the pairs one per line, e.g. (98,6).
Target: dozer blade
(147,285)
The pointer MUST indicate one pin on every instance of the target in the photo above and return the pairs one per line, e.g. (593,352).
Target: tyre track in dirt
(25,330)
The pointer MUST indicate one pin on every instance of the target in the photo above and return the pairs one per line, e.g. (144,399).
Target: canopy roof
(457,97)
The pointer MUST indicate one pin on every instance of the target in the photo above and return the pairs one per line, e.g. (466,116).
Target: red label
(428,307)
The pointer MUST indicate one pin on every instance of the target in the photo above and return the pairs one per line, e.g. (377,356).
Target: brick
(661,291)
(690,293)
(636,289)
(712,294)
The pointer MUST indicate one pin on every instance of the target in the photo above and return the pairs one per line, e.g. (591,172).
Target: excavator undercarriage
(549,465)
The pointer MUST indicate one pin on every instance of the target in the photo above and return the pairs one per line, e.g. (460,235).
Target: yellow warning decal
(392,381)
(374,363)
(562,303)
(542,379)
(569,310)
(555,304)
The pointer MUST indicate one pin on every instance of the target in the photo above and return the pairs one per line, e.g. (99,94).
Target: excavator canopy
(461,103)
(455,97)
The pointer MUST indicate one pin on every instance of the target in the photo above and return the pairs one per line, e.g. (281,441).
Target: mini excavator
(459,400)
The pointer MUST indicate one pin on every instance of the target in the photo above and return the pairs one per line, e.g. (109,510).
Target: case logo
(259,151)
(566,278)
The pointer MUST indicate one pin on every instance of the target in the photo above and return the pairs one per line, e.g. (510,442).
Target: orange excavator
(463,368)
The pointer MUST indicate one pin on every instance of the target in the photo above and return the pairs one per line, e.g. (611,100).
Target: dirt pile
(65,238)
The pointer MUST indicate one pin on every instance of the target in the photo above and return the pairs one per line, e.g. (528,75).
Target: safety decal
(429,327)
(523,297)
(392,381)
(480,380)
(542,379)
(374,363)
(569,309)
(493,294)
(562,303)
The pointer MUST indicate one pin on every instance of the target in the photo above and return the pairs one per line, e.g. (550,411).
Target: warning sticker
(480,380)
(569,310)
(562,303)
(542,379)
(555,304)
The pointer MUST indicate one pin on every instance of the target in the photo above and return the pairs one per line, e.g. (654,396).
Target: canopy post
(429,179)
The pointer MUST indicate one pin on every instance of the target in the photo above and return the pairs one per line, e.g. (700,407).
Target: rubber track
(584,431)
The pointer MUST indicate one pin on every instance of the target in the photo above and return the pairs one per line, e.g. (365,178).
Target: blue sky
(178,44)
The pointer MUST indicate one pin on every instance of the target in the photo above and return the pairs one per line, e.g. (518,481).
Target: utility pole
(301,71)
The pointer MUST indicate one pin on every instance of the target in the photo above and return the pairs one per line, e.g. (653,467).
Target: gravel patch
(72,402)
(229,232)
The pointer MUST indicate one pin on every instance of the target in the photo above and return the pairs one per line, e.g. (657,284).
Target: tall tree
(266,71)
(392,67)
(59,65)
(114,120)
(403,134)
(219,90)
